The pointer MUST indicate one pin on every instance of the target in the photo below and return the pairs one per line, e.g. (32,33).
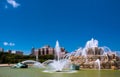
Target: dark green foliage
(14,58)
(43,58)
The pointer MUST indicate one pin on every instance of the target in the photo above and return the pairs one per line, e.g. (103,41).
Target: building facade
(46,50)
(18,52)
(1,49)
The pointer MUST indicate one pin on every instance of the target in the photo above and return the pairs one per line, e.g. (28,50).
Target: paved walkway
(6,65)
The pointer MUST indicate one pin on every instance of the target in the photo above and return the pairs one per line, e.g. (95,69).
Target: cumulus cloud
(11,44)
(13,3)
(8,44)
(5,43)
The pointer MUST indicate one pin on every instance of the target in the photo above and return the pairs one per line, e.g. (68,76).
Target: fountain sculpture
(91,56)
(58,64)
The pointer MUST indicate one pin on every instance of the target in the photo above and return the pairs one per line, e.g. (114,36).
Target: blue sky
(35,23)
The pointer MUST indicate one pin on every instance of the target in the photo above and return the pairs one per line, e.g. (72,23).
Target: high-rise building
(19,53)
(1,49)
(9,51)
(47,50)
(33,51)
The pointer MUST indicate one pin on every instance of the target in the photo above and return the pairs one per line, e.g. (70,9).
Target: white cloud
(8,44)
(11,44)
(13,3)
(5,43)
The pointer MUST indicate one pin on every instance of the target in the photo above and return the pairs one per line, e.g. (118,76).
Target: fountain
(97,63)
(58,64)
(93,56)
(35,64)
(24,64)
(90,57)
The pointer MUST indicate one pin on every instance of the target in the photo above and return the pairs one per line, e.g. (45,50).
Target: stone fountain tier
(92,56)
(89,61)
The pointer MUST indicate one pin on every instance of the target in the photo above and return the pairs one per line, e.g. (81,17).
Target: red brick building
(46,50)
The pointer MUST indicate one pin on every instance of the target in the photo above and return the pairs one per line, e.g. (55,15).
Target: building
(15,52)
(19,53)
(1,49)
(9,51)
(46,50)
(32,51)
